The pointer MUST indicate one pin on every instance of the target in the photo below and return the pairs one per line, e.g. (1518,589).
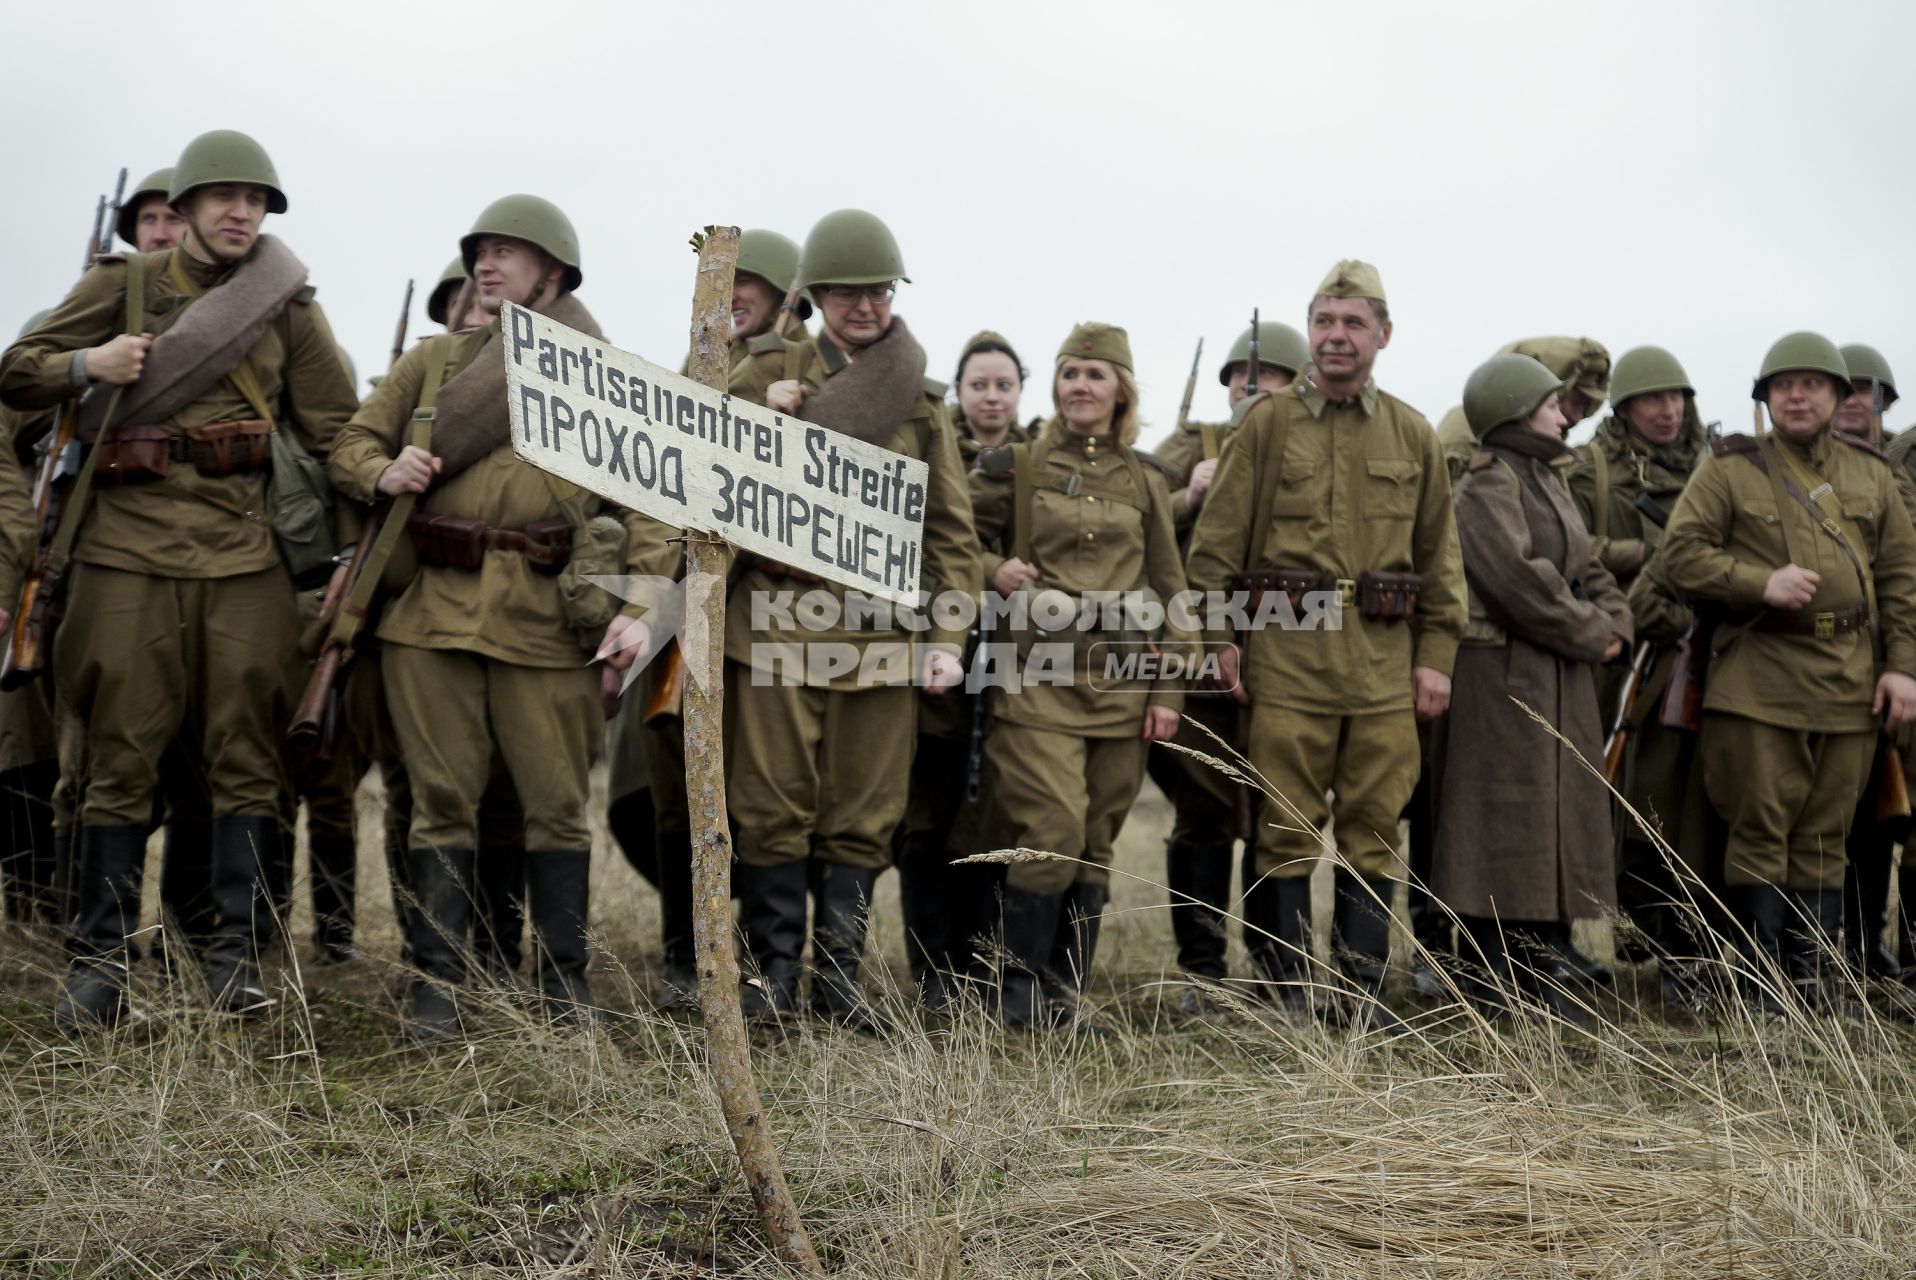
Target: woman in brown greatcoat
(1523,839)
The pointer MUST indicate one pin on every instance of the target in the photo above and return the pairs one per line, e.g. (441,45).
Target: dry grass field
(313,1144)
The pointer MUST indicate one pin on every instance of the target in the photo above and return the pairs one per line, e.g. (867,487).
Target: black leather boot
(1074,950)
(1277,916)
(66,877)
(774,911)
(840,916)
(501,876)
(1362,937)
(558,898)
(1812,946)
(107,888)
(1562,962)
(1199,879)
(680,990)
(246,854)
(1764,912)
(441,881)
(335,871)
(1866,902)
(1031,924)
(186,895)
(1487,973)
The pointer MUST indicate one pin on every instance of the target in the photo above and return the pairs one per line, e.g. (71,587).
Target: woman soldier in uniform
(1077,511)
(1523,828)
(946,906)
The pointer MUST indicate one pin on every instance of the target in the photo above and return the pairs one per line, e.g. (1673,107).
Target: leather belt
(1826,625)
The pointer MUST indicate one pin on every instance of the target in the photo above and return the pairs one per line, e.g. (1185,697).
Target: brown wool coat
(1525,832)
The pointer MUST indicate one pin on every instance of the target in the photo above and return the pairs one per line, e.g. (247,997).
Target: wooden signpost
(681,450)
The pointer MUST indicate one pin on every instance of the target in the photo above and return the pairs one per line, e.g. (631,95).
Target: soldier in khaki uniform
(1800,543)
(483,657)
(947,907)
(1210,808)
(1626,481)
(1075,512)
(180,613)
(818,762)
(1872,842)
(1337,487)
(446,291)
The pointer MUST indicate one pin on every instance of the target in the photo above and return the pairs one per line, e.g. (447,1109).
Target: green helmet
(850,247)
(33,322)
(1641,370)
(1867,362)
(451,280)
(352,371)
(537,222)
(773,258)
(225,156)
(158,183)
(1811,352)
(1506,388)
(1277,344)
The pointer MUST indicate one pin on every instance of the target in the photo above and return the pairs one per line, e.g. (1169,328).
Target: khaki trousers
(453,709)
(1059,793)
(817,773)
(1788,797)
(141,660)
(1356,771)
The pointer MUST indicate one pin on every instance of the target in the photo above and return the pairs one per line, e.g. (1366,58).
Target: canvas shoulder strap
(133,321)
(1600,472)
(392,525)
(1025,459)
(1207,439)
(1264,500)
(1818,497)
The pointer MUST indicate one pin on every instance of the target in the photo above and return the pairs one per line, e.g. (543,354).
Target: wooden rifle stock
(1683,700)
(1619,739)
(30,645)
(315,719)
(1892,791)
(668,685)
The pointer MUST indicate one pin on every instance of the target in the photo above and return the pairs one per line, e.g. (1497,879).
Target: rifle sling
(1207,439)
(68,532)
(1600,473)
(392,525)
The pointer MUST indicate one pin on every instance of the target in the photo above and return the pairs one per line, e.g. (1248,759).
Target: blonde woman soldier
(1075,512)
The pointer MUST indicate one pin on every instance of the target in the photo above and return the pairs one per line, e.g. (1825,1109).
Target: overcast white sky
(1704,176)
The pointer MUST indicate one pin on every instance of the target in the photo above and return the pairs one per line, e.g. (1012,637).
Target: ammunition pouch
(448,542)
(461,542)
(135,455)
(1295,583)
(1386,596)
(230,448)
(1824,625)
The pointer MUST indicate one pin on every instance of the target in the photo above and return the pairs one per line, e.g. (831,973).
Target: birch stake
(703,642)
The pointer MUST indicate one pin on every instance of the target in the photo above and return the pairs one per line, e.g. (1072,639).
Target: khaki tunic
(506,610)
(186,525)
(1107,536)
(26,726)
(1359,485)
(1526,830)
(1729,533)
